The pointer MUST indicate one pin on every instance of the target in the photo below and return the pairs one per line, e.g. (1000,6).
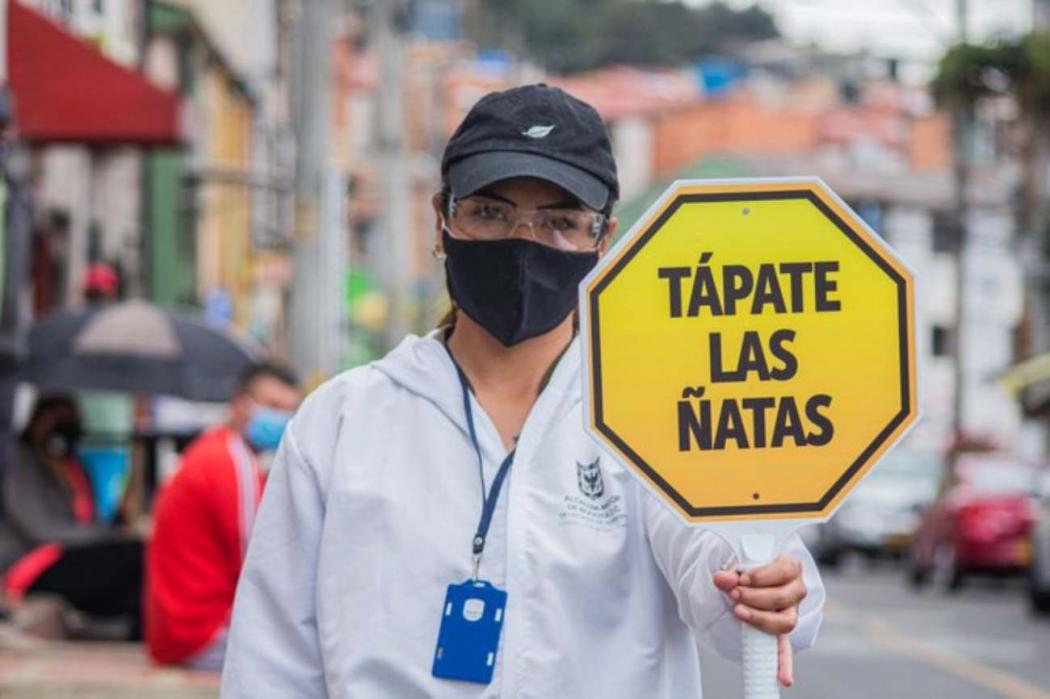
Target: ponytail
(448,318)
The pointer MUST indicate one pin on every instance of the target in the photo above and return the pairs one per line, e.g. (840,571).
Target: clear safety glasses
(482,218)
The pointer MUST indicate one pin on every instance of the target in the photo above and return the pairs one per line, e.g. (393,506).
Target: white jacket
(368,516)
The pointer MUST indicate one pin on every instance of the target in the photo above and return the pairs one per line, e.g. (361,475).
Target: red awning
(65,90)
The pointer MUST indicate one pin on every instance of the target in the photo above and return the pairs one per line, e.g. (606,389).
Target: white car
(1039,572)
(880,515)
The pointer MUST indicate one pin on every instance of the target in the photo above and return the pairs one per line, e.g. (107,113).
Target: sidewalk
(32,669)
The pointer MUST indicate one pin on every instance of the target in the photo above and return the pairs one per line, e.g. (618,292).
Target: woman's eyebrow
(489,194)
(563,204)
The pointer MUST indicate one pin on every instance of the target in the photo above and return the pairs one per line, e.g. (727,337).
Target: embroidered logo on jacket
(589,478)
(597,505)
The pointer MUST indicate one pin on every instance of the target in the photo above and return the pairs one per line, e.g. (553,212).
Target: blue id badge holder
(472,616)
(471,621)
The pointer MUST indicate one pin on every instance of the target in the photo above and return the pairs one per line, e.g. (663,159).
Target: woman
(50,543)
(375,522)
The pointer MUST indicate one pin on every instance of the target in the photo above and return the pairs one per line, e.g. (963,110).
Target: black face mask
(61,442)
(514,288)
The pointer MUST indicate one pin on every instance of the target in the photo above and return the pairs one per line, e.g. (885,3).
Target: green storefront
(171,240)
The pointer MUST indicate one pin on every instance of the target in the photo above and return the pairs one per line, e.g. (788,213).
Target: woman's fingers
(785,661)
(782,570)
(770,598)
(783,621)
(726,580)
(766,597)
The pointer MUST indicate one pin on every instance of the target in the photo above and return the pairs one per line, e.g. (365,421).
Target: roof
(624,91)
(66,91)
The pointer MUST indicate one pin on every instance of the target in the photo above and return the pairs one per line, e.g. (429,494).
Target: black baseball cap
(533,131)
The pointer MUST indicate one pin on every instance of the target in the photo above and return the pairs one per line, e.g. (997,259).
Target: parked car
(1039,571)
(980,522)
(880,515)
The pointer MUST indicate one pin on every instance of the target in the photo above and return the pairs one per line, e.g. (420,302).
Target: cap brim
(477,171)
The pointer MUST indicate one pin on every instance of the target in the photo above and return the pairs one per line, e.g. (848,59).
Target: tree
(968,74)
(1020,68)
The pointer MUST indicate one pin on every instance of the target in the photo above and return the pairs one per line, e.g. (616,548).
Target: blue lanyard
(489,500)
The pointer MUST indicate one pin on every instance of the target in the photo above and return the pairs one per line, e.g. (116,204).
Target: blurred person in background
(111,413)
(101,283)
(51,547)
(15,224)
(203,519)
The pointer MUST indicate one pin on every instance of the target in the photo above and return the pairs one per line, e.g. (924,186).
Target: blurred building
(199,196)
(221,208)
(196,216)
(86,144)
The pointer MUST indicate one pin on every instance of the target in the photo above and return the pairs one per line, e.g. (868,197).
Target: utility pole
(7,373)
(309,95)
(3,43)
(1031,215)
(962,135)
(395,253)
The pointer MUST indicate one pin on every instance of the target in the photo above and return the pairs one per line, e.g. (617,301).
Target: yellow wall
(224,233)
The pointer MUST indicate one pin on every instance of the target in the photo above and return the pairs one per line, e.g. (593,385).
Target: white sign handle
(760,664)
(760,656)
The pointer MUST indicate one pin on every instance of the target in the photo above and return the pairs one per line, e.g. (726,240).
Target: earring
(438,253)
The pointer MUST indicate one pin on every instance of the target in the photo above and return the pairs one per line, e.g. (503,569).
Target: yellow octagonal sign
(749,349)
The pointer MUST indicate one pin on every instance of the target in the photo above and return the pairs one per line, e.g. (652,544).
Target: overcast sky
(915,30)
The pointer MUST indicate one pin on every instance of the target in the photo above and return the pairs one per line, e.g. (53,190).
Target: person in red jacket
(203,519)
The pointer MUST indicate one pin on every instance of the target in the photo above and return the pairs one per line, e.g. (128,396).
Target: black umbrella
(134,347)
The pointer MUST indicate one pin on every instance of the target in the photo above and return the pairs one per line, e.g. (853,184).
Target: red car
(980,522)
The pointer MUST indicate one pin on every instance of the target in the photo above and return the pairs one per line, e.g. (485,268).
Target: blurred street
(31,669)
(880,639)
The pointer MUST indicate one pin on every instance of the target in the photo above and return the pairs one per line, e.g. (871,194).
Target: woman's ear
(438,203)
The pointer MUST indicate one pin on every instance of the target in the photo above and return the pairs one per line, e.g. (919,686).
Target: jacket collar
(423,366)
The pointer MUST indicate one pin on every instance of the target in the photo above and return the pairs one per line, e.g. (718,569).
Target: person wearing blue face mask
(203,518)
(265,427)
